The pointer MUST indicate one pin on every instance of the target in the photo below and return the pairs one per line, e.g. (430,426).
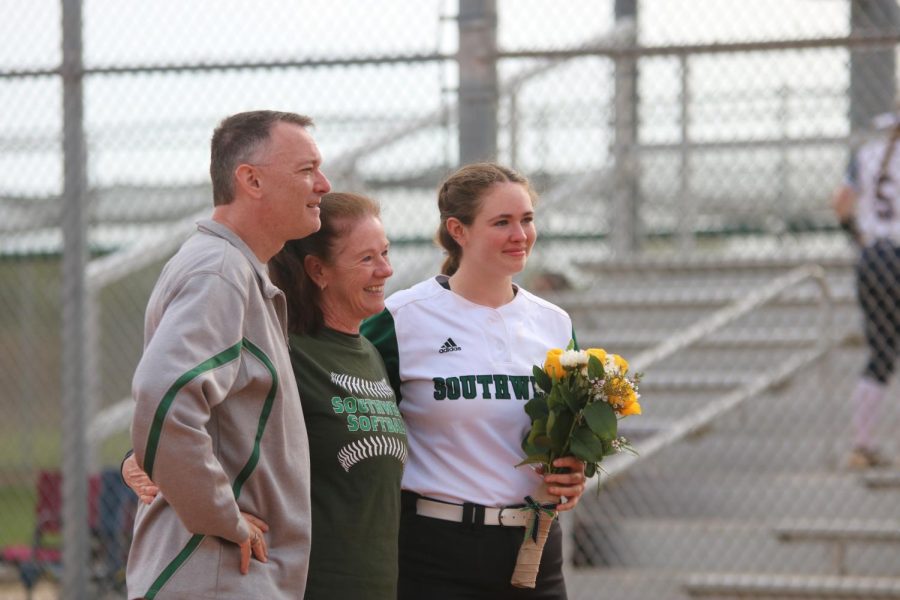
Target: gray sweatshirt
(219,428)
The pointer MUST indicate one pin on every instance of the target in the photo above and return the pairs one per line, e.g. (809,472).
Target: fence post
(627,189)
(872,72)
(478,88)
(75,540)
(28,372)
(687,204)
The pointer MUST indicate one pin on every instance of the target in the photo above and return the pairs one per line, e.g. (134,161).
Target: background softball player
(866,205)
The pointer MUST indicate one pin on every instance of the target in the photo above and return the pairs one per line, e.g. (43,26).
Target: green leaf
(601,418)
(527,447)
(535,459)
(586,446)
(573,400)
(536,408)
(538,436)
(559,431)
(541,379)
(571,345)
(608,448)
(595,368)
(590,469)
(554,397)
(543,441)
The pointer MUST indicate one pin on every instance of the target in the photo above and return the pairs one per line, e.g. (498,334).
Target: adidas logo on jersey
(449,346)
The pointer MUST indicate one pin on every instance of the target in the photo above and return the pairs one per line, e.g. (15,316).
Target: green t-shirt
(357,443)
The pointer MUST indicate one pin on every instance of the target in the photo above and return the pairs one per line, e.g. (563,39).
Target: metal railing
(701,419)
(678,430)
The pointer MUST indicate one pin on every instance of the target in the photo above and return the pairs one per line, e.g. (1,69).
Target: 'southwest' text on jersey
(486,387)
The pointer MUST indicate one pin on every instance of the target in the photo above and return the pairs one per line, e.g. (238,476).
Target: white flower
(610,365)
(619,443)
(573,358)
(597,393)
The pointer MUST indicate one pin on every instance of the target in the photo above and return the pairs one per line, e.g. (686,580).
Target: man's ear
(456,229)
(246,178)
(314,267)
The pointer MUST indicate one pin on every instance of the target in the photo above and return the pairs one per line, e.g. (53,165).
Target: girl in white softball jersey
(459,349)
(867,205)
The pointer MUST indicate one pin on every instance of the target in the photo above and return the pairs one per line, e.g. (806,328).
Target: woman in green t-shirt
(334,279)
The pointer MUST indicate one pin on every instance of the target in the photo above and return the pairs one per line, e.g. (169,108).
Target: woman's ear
(456,229)
(315,268)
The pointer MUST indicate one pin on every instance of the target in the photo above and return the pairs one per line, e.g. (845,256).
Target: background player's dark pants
(878,288)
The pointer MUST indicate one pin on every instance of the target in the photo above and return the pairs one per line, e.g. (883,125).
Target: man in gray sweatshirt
(218,424)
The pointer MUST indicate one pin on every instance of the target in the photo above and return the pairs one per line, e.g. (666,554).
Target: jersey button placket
(499,338)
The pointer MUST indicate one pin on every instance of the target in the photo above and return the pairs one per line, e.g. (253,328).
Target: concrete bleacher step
(625,583)
(693,293)
(833,260)
(713,373)
(848,530)
(700,544)
(738,492)
(626,300)
(748,338)
(624,331)
(703,544)
(778,412)
(840,536)
(881,479)
(635,306)
(719,545)
(702,381)
(738,365)
(771,586)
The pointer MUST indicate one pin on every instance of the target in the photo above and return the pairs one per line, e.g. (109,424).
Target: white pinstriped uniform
(862,176)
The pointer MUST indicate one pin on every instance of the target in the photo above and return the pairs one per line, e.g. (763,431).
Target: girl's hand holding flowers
(567,483)
(580,396)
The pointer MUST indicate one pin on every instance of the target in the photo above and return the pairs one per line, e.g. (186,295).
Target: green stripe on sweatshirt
(159,417)
(242,477)
(263,417)
(174,566)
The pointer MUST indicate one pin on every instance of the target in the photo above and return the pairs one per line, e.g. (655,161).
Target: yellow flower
(620,362)
(632,408)
(552,366)
(621,394)
(598,353)
(626,403)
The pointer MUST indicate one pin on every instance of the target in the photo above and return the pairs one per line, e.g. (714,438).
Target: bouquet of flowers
(580,397)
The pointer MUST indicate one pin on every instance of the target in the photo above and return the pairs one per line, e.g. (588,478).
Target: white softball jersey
(462,373)
(873,221)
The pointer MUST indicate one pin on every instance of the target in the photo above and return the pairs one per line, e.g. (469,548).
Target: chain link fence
(685,152)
